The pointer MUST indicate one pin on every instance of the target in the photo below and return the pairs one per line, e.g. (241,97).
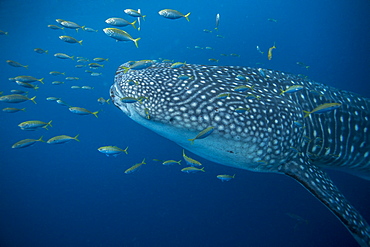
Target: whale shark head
(253,128)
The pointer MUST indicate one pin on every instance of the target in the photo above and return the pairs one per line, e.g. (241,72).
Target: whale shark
(289,124)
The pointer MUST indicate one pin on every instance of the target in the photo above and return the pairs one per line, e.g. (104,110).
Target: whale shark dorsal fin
(321,186)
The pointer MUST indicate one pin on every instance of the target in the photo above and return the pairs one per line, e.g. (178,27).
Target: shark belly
(271,135)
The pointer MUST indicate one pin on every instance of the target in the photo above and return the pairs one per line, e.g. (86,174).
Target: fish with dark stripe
(272,136)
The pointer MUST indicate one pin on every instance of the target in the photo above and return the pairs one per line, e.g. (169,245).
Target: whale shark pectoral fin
(320,185)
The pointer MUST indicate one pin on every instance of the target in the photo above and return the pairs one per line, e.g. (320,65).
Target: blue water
(72,195)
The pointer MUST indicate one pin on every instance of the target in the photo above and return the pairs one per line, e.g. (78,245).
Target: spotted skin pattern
(272,136)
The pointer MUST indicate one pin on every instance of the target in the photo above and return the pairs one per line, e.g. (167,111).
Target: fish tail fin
(23,109)
(191,141)
(187,16)
(125,150)
(307,113)
(108,101)
(83,28)
(143,17)
(133,24)
(47,52)
(135,41)
(179,162)
(96,114)
(143,162)
(36,87)
(282,91)
(41,80)
(80,42)
(26,66)
(40,139)
(73,58)
(76,137)
(202,169)
(49,123)
(125,69)
(234,175)
(33,99)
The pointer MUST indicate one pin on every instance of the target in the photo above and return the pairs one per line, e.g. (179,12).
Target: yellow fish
(135,167)
(323,108)
(192,169)
(26,143)
(34,125)
(82,111)
(62,139)
(269,54)
(203,134)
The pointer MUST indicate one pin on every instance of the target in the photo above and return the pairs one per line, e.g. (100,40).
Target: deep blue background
(72,195)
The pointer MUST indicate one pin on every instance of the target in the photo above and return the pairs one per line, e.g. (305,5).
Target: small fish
(213,60)
(52,98)
(119,22)
(243,88)
(171,162)
(26,143)
(208,48)
(100,59)
(192,169)
(102,101)
(207,31)
(220,36)
(130,100)
(303,65)
(89,29)
(41,51)
(190,161)
(75,87)
(34,125)
(323,108)
(225,178)
(72,78)
(269,53)
(61,102)
(55,27)
(82,111)
(80,65)
(3,32)
(13,110)
(87,87)
(184,77)
(272,20)
(96,74)
(16,98)
(242,78)
(203,134)
(134,13)
(63,56)
(71,25)
(57,73)
(223,95)
(234,55)
(259,50)
(135,167)
(27,85)
(242,110)
(16,91)
(112,150)
(96,65)
(57,82)
(27,78)
(217,21)
(139,65)
(223,54)
(177,65)
(16,64)
(120,35)
(173,14)
(62,139)
(292,89)
(139,20)
(70,39)
(252,96)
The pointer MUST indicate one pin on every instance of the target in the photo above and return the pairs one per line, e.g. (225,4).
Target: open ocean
(72,195)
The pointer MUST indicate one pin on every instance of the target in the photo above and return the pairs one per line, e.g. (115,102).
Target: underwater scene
(182,123)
